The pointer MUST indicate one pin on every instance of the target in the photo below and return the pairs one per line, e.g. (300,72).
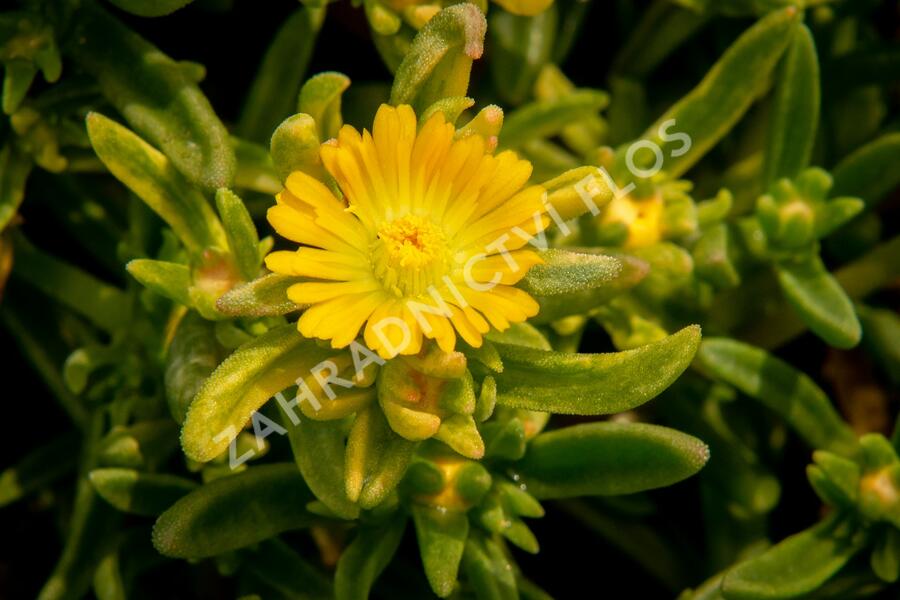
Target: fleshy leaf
(795,110)
(573,282)
(442,538)
(145,444)
(440,57)
(92,534)
(38,468)
(608,459)
(376,458)
(148,494)
(663,27)
(885,559)
(243,383)
(279,566)
(101,303)
(14,170)
(155,96)
(274,90)
(319,452)
(592,384)
(451,108)
(795,567)
(521,46)
(577,191)
(366,557)
(255,169)
(490,571)
(790,393)
(153,177)
(711,109)
(240,232)
(871,171)
(882,333)
(169,280)
(320,98)
(820,301)
(150,8)
(262,297)
(295,146)
(192,357)
(234,512)
(546,118)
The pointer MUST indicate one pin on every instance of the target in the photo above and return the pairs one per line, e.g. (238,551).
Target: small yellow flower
(643,217)
(427,241)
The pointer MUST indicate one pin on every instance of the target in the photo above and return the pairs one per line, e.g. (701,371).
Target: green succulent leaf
(871,171)
(738,8)
(243,383)
(504,440)
(91,535)
(451,109)
(795,110)
(489,570)
(295,146)
(234,512)
(713,256)
(108,582)
(150,8)
(169,280)
(319,452)
(154,178)
(442,538)
(777,385)
(711,109)
(592,384)
(566,193)
(662,28)
(155,96)
(130,491)
(104,305)
(273,94)
(288,573)
(240,232)
(142,445)
(882,333)
(796,566)
(574,282)
(376,459)
(820,300)
(39,467)
(192,357)
(835,213)
(366,557)
(885,559)
(320,98)
(18,76)
(255,169)
(604,459)
(518,334)
(836,476)
(546,118)
(440,57)
(522,45)
(262,297)
(14,170)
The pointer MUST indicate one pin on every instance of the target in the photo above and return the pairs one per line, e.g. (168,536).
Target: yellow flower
(642,216)
(427,241)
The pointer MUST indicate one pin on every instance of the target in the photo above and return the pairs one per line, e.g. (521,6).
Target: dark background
(573,562)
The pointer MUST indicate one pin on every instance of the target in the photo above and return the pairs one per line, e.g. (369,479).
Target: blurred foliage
(729,165)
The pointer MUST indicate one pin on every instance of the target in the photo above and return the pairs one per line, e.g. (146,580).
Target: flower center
(410,255)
